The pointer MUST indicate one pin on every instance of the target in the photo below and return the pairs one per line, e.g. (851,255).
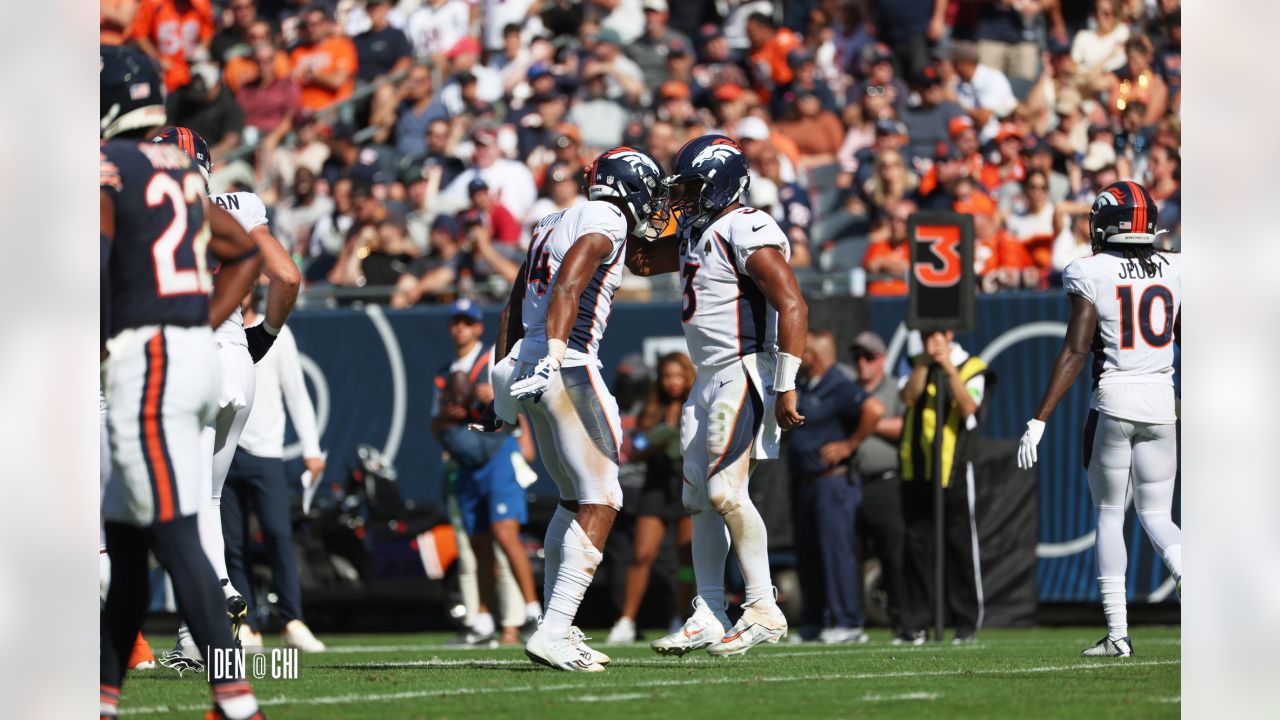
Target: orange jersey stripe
(152,442)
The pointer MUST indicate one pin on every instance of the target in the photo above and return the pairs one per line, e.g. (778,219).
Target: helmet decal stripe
(1139,208)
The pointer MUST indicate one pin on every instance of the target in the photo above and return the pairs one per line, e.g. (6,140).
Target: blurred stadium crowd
(405,148)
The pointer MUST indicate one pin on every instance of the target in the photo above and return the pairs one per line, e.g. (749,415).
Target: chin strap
(784,372)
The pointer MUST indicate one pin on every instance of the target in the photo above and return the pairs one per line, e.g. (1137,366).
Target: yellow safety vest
(916,450)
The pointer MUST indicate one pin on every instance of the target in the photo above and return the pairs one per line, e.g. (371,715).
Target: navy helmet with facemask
(633,177)
(709,174)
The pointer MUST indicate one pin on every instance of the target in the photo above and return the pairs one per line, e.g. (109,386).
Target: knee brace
(720,420)
(727,489)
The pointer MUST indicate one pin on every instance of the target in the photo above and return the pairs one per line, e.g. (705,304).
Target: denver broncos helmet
(709,174)
(130,91)
(190,142)
(632,176)
(1123,213)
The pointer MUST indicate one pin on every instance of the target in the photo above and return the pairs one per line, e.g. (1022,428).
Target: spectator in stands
(888,256)
(242,68)
(536,131)
(559,192)
(206,106)
(452,259)
(1008,32)
(656,443)
(890,136)
(1164,182)
(325,65)
(1169,55)
(438,153)
(115,23)
(1038,154)
(624,78)
(502,227)
(716,67)
(436,27)
(233,40)
(881,91)
(298,214)
(804,80)
(938,187)
(1137,82)
(891,180)
(175,33)
(1007,165)
(600,118)
(755,136)
(928,121)
(876,465)
(1071,245)
(674,104)
(1100,49)
(839,417)
(270,103)
(382,49)
(907,27)
(418,109)
(464,61)
(509,180)
(793,212)
(770,46)
(1134,140)
(1035,221)
(308,150)
(650,50)
(982,91)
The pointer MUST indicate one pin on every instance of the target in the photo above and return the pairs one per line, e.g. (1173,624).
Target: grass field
(1006,674)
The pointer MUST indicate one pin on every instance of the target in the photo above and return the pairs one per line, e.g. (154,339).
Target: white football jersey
(1133,345)
(248,210)
(551,239)
(725,314)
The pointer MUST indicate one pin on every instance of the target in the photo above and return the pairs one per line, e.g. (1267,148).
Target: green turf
(1006,674)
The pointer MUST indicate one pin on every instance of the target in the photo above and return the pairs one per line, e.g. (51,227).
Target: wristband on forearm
(556,350)
(785,371)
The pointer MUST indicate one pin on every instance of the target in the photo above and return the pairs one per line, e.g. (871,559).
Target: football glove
(1027,445)
(532,384)
(260,341)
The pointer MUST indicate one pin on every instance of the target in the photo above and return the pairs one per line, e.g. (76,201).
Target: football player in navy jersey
(160,372)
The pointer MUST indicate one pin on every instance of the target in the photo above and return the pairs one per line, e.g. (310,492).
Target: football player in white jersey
(1126,307)
(552,374)
(746,324)
(238,350)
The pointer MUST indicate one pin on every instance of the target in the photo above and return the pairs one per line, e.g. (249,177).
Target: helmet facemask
(688,201)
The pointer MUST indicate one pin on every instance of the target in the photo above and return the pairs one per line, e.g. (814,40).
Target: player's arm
(769,269)
(241,261)
(579,264)
(654,258)
(1075,349)
(511,319)
(283,279)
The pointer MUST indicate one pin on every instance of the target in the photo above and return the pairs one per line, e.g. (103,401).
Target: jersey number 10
(1145,321)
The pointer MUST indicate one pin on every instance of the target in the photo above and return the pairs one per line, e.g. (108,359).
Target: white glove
(532,384)
(1027,445)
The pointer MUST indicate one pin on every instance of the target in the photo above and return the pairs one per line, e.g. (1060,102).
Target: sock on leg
(483,624)
(531,611)
(710,551)
(551,545)
(578,562)
(751,546)
(1113,604)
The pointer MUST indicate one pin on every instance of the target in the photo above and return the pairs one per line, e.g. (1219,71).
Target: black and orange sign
(942,283)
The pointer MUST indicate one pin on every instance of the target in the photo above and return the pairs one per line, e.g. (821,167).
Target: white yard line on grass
(608,698)
(901,696)
(852,677)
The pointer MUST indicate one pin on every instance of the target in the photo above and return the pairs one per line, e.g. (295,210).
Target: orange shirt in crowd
(175,33)
(240,71)
(326,56)
(774,54)
(819,135)
(880,249)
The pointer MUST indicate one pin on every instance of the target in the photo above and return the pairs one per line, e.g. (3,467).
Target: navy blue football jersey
(158,267)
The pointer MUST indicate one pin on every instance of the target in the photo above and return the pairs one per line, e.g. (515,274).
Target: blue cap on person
(462,307)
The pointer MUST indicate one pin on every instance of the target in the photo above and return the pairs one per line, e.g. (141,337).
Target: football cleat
(141,657)
(296,634)
(756,625)
(910,638)
(1106,647)
(560,653)
(701,630)
(581,638)
(217,714)
(624,631)
(475,639)
(843,636)
(250,640)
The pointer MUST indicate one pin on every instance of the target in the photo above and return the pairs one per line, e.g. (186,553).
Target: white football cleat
(250,640)
(560,653)
(756,625)
(624,631)
(701,630)
(581,638)
(1106,647)
(843,636)
(296,634)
